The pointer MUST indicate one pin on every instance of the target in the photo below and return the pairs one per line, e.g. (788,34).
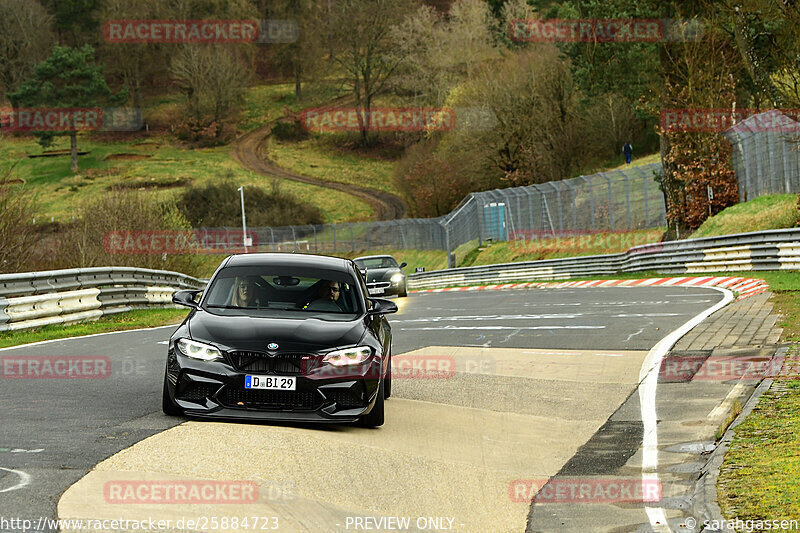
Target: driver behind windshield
(244,293)
(328,297)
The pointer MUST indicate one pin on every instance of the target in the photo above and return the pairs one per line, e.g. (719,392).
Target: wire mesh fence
(624,199)
(766,160)
(766,157)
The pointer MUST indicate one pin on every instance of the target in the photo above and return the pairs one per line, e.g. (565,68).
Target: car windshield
(285,292)
(377,262)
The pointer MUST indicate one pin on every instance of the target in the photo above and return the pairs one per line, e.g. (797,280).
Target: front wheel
(403,293)
(375,417)
(167,406)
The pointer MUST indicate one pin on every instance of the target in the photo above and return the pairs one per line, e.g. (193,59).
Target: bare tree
(213,79)
(17,235)
(537,136)
(134,64)
(304,57)
(366,51)
(25,40)
(441,53)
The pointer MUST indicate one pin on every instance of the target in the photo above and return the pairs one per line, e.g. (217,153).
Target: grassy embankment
(158,164)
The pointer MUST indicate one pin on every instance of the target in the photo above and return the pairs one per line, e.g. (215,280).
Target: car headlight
(348,356)
(198,350)
(397,278)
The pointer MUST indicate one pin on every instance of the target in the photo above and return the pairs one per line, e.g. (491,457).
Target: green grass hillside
(763,213)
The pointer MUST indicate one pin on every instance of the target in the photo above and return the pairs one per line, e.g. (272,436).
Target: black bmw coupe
(281,337)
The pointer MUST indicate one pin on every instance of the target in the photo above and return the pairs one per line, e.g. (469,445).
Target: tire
(403,293)
(387,381)
(169,408)
(375,417)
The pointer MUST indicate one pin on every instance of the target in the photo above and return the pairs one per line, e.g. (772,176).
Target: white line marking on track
(24,479)
(486,317)
(648,382)
(551,353)
(441,328)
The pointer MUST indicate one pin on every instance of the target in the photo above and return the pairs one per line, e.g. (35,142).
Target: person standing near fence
(627,149)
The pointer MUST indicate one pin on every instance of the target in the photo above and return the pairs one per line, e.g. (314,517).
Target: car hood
(254,333)
(381,274)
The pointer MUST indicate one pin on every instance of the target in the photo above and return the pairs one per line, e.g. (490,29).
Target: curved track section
(250,151)
(523,381)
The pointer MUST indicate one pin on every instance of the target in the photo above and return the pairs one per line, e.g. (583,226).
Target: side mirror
(185,298)
(381,306)
(403,264)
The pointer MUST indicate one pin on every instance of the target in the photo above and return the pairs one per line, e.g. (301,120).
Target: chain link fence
(618,200)
(766,157)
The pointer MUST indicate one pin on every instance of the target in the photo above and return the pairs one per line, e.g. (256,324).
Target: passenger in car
(244,293)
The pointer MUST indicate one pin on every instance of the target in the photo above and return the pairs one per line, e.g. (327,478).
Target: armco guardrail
(36,299)
(762,250)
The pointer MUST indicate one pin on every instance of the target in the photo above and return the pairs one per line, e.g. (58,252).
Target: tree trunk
(73,141)
(297,81)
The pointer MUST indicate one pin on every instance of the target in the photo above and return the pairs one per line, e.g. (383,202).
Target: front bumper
(216,389)
(385,288)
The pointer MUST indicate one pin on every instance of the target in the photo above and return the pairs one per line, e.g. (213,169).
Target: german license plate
(270,382)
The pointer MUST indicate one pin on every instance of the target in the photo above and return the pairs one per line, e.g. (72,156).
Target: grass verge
(758,479)
(763,213)
(318,157)
(554,248)
(140,318)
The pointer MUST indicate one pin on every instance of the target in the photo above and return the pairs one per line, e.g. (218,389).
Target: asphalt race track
(537,374)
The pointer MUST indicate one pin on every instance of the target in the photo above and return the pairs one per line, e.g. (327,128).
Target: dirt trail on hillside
(251,152)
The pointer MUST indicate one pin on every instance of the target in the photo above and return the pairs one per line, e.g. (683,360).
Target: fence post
(628,197)
(294,238)
(558,201)
(610,202)
(531,220)
(352,238)
(313,227)
(646,212)
(574,210)
(591,200)
(450,258)
(334,237)
(271,239)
